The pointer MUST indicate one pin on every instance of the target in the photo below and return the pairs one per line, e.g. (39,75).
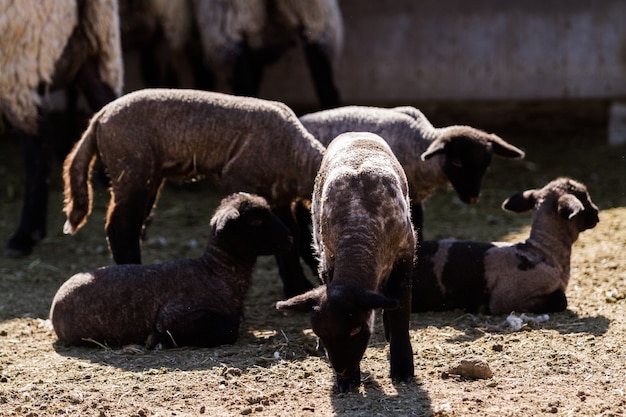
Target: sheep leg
(127,216)
(95,90)
(396,322)
(179,324)
(247,73)
(289,268)
(549,303)
(321,70)
(303,218)
(36,151)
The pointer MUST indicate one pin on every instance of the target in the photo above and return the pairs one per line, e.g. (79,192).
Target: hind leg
(320,66)
(128,213)
(180,324)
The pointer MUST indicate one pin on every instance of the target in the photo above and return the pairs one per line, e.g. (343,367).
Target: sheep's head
(342,317)
(467,154)
(566,198)
(245,225)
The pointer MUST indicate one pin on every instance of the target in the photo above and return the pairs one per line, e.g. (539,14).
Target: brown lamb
(182,302)
(366,243)
(242,143)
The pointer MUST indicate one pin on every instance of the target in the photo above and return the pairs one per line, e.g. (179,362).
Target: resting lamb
(497,277)
(182,302)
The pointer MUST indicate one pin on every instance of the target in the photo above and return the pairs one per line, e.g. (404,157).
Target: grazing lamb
(244,144)
(498,277)
(431,157)
(47,45)
(366,244)
(183,302)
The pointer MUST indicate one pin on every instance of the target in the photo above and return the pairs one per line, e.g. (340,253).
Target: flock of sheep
(356,176)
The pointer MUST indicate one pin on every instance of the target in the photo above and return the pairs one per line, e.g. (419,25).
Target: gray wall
(405,51)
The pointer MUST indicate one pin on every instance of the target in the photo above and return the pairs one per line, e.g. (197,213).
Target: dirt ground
(572,364)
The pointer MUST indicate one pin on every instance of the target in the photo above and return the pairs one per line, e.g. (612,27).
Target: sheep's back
(247,144)
(360,204)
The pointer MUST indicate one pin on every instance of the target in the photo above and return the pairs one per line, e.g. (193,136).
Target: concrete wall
(405,51)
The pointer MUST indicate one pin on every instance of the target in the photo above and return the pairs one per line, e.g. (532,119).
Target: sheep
(498,277)
(183,302)
(366,243)
(230,42)
(147,136)
(431,157)
(46,45)
(239,38)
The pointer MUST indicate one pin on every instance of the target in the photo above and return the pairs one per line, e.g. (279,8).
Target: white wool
(176,18)
(34,35)
(226,23)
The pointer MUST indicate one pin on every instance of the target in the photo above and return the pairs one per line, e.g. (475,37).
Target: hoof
(19,247)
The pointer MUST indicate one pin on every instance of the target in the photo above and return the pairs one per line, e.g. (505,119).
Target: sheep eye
(355,331)
(457,163)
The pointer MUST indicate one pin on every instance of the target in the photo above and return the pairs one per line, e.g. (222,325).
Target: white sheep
(366,243)
(49,44)
(182,302)
(530,276)
(239,38)
(144,137)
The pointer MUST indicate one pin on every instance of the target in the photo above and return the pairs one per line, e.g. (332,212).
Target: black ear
(370,300)
(520,202)
(504,149)
(569,206)
(223,216)
(437,147)
(304,302)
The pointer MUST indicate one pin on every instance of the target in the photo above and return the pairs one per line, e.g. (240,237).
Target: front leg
(180,323)
(396,322)
(289,267)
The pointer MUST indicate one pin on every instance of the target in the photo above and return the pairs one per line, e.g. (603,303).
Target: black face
(344,333)
(265,232)
(589,216)
(465,165)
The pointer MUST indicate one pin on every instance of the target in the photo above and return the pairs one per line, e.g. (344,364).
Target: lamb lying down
(498,277)
(197,302)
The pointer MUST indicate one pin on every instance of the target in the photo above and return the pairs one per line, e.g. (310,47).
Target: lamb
(50,44)
(431,157)
(144,137)
(184,302)
(366,244)
(497,277)
(239,38)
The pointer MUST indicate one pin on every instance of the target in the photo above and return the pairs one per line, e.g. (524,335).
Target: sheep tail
(77,179)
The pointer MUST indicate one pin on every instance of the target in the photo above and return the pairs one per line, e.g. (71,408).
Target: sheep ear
(504,149)
(303,302)
(219,222)
(520,202)
(370,300)
(437,147)
(569,206)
